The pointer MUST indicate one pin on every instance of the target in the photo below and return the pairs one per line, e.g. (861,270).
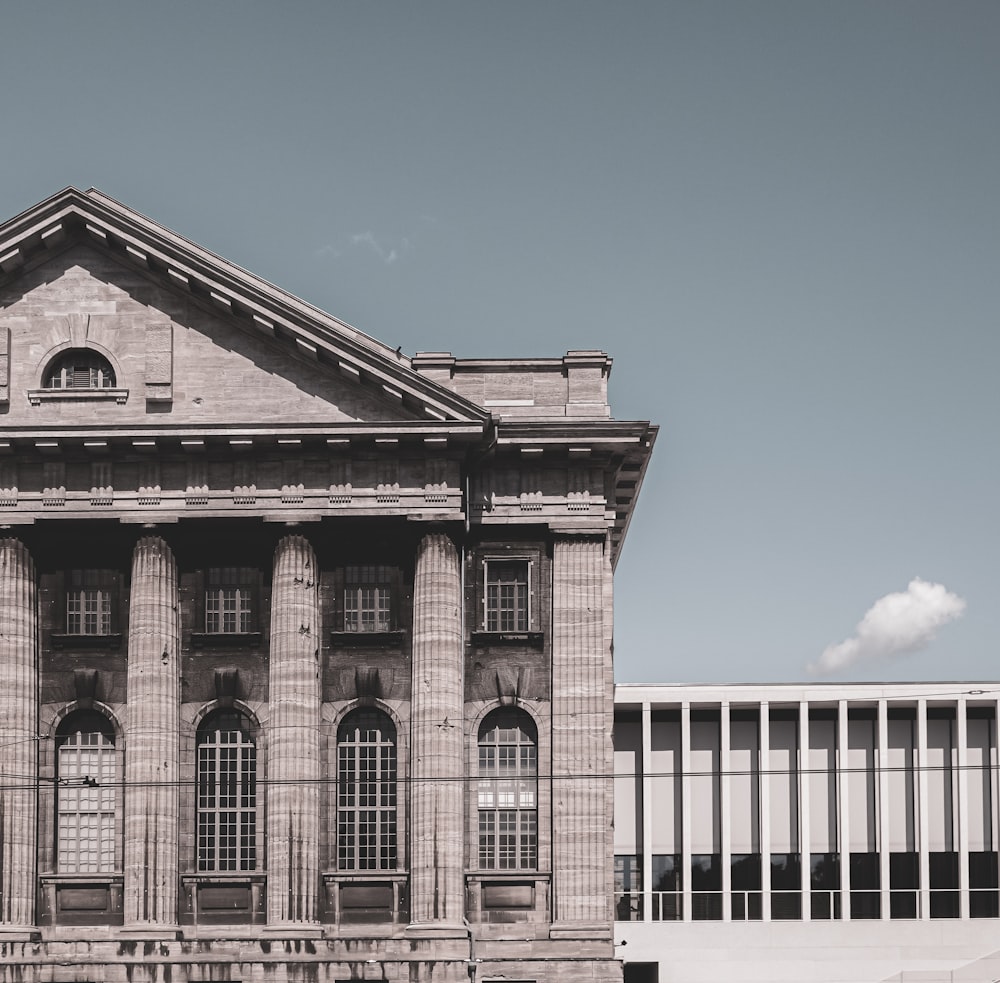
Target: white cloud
(896,624)
(388,254)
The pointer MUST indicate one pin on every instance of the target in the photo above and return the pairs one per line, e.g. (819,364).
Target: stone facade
(306,643)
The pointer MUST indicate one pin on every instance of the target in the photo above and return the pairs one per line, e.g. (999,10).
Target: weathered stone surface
(581,763)
(151,764)
(294,772)
(18,735)
(237,409)
(436,800)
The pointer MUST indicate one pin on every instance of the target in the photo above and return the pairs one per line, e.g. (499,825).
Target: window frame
(384,815)
(79,361)
(383,580)
(241,853)
(524,611)
(101,792)
(244,583)
(103,583)
(507,830)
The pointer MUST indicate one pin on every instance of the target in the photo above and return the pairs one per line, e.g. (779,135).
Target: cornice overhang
(73,216)
(240,437)
(625,447)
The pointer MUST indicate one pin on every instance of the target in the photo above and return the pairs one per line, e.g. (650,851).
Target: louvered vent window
(80,368)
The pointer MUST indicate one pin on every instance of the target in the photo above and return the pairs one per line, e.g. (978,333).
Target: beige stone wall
(85,299)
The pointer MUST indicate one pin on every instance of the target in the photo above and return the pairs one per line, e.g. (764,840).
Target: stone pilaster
(436,786)
(18,737)
(581,739)
(152,760)
(293,747)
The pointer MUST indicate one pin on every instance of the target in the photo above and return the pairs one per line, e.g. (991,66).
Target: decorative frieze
(149,489)
(8,484)
(101,484)
(53,483)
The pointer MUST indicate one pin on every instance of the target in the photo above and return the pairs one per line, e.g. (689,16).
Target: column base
(437,930)
(293,930)
(156,933)
(591,931)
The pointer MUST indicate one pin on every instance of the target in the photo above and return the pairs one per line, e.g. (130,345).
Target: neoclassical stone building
(306,644)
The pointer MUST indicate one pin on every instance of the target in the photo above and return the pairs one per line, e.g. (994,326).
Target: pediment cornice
(255,305)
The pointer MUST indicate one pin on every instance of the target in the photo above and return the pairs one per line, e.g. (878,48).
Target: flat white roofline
(635,693)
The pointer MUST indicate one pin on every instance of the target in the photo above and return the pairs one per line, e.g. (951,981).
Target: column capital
(438,532)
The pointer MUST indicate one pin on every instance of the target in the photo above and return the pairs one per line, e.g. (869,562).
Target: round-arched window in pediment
(79,368)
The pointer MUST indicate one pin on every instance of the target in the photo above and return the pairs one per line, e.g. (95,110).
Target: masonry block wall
(306,644)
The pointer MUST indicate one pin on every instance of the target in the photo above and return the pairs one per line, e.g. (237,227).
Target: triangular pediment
(191,338)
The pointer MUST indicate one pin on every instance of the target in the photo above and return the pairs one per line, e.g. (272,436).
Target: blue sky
(782,219)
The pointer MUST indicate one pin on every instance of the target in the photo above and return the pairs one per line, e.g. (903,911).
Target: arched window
(227,793)
(508,791)
(86,772)
(366,791)
(80,368)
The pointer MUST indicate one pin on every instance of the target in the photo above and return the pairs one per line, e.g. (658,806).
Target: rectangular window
(507,595)
(786,886)
(668,897)
(746,886)
(904,880)
(229,600)
(90,597)
(706,887)
(368,599)
(628,888)
(824,877)
(865,883)
(983,882)
(944,884)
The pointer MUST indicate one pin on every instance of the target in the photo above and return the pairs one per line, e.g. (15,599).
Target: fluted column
(293,748)
(581,744)
(436,794)
(152,795)
(18,736)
